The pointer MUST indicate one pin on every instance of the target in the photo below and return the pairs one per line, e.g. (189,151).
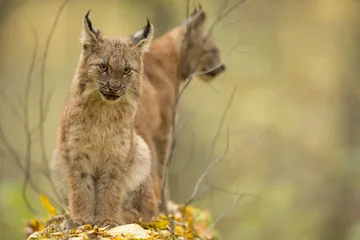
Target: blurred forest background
(295,112)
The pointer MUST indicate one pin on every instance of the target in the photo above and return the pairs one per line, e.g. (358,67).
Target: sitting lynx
(166,65)
(101,166)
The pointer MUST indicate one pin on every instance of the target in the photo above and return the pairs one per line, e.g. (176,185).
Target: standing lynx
(172,58)
(101,166)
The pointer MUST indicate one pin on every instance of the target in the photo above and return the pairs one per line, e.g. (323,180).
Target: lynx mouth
(216,71)
(110,96)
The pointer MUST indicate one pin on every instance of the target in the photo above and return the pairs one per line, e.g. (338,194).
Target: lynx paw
(74,223)
(108,222)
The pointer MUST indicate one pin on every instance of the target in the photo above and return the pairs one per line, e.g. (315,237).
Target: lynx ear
(197,19)
(89,34)
(143,37)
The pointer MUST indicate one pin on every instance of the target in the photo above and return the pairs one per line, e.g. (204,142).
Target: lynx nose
(112,88)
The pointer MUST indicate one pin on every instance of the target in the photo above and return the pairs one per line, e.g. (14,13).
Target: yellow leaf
(35,224)
(158,224)
(47,205)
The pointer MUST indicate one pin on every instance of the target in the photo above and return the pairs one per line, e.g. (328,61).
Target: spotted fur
(101,166)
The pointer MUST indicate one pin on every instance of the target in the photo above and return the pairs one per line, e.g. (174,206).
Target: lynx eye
(127,70)
(103,67)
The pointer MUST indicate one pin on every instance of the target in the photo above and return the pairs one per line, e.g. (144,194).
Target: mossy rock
(197,224)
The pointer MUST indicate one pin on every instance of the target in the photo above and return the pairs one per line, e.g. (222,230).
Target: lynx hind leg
(140,203)
(58,173)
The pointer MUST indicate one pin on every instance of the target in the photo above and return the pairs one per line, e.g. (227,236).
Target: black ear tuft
(197,20)
(194,12)
(86,17)
(87,13)
(147,28)
(89,33)
(144,36)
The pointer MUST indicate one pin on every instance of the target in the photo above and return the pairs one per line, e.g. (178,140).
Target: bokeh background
(294,116)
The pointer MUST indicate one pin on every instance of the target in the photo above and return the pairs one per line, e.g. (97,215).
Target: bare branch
(213,144)
(232,8)
(225,3)
(219,159)
(174,129)
(206,172)
(230,24)
(43,107)
(207,187)
(178,94)
(232,206)
(12,107)
(10,150)
(26,126)
(249,144)
(163,204)
(234,193)
(192,152)
(212,87)
(222,120)
(222,13)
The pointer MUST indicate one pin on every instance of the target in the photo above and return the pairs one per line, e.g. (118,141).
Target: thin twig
(43,112)
(249,144)
(163,204)
(212,87)
(10,149)
(219,189)
(177,100)
(206,172)
(205,190)
(44,106)
(191,157)
(232,206)
(231,23)
(222,120)
(12,107)
(217,160)
(223,13)
(26,126)
(42,109)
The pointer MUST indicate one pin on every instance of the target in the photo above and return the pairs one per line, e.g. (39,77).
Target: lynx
(172,58)
(101,166)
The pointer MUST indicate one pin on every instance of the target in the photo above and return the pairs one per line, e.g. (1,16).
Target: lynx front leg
(109,190)
(163,146)
(148,200)
(82,195)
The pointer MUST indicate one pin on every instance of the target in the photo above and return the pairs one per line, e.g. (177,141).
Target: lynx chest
(101,135)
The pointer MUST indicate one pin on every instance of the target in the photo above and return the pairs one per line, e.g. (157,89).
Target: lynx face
(210,61)
(201,53)
(112,65)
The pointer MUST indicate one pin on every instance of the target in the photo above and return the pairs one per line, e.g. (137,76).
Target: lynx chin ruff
(101,167)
